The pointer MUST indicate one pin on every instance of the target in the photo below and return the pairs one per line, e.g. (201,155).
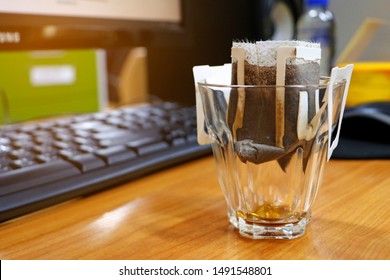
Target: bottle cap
(322,3)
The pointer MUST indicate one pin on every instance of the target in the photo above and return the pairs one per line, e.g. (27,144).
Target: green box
(36,84)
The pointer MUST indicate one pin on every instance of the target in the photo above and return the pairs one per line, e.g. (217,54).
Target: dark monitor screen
(85,23)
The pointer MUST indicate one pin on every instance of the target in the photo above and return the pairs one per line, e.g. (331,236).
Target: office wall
(350,14)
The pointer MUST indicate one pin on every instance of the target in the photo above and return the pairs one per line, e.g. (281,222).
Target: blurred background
(74,56)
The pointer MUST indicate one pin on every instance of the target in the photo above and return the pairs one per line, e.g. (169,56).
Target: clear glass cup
(270,145)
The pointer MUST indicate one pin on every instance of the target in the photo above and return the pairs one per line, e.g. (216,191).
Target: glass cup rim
(324,81)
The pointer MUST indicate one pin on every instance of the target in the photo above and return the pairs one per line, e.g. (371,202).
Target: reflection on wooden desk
(180,213)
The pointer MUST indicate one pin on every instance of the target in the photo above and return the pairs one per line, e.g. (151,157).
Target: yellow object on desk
(370,83)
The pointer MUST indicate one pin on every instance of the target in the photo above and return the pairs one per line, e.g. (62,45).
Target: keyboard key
(4,141)
(86,162)
(4,168)
(20,163)
(21,153)
(63,122)
(67,154)
(130,126)
(4,163)
(122,137)
(20,144)
(112,134)
(28,128)
(20,136)
(35,175)
(64,145)
(86,125)
(192,138)
(82,133)
(44,149)
(46,125)
(114,121)
(44,158)
(63,137)
(102,128)
(116,154)
(178,141)
(88,148)
(152,148)
(42,140)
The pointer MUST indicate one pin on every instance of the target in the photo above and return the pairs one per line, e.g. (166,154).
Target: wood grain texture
(180,213)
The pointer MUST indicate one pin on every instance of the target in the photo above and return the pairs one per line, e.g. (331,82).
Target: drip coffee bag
(267,122)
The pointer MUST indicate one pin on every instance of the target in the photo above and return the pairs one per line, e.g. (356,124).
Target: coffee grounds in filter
(256,138)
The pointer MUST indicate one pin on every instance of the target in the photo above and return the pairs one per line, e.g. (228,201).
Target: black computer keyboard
(49,162)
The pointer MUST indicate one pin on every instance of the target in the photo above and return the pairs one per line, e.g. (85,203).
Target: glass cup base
(263,231)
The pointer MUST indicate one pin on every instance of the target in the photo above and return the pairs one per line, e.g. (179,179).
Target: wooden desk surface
(179,213)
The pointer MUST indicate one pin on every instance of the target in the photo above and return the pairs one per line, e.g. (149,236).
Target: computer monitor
(178,34)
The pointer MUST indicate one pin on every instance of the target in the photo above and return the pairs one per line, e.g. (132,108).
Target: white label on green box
(52,75)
